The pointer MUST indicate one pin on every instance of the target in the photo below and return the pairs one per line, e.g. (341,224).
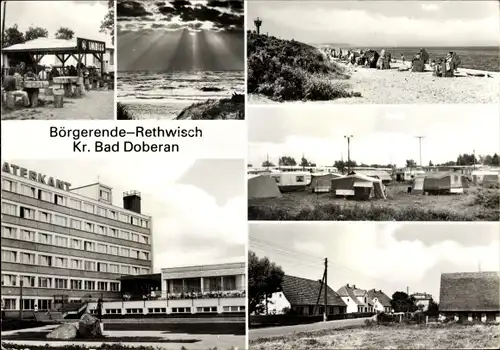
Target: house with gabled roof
(301,295)
(470,296)
(355,298)
(381,302)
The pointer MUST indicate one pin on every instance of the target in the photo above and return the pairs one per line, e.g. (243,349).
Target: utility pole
(348,137)
(420,147)
(3,23)
(325,317)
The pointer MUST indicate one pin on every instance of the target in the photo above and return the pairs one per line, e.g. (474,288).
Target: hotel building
(66,245)
(208,289)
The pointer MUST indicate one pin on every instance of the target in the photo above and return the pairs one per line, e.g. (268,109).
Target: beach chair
(418,65)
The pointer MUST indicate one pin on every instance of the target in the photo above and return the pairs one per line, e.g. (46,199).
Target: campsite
(476,203)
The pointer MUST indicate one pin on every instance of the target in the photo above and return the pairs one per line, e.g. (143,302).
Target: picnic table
(32,87)
(66,83)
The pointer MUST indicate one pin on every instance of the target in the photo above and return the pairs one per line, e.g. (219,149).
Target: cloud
(430,7)
(195,15)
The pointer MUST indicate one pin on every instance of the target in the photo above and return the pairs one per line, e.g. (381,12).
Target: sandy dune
(395,87)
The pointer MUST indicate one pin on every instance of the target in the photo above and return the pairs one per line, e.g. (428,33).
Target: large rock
(64,332)
(89,327)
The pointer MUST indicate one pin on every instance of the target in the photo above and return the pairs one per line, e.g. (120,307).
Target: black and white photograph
(58,60)
(122,254)
(373,52)
(373,286)
(182,60)
(381,163)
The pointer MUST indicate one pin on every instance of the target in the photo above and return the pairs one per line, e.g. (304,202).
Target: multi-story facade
(61,244)
(207,289)
(423,299)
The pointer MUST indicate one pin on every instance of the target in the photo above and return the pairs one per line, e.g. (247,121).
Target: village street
(285,330)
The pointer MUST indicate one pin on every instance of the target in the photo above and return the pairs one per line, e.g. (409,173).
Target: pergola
(63,49)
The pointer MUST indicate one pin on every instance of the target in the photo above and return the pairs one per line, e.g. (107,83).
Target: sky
(386,256)
(180,35)
(197,217)
(381,134)
(83,17)
(380,23)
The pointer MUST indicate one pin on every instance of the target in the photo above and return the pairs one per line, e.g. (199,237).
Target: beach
(395,87)
(93,105)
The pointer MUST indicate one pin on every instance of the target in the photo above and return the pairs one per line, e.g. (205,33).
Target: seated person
(438,68)
(30,76)
(10,85)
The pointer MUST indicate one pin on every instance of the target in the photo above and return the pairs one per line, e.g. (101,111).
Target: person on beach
(403,58)
(13,85)
(30,76)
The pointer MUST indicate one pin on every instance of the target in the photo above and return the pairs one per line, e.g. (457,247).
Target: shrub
(487,198)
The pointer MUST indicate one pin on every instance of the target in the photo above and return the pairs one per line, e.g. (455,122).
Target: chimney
(132,201)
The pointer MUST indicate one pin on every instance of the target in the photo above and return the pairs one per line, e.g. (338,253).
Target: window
(181,309)
(112,232)
(58,199)
(144,223)
(28,281)
(89,246)
(124,235)
(89,285)
(61,283)
(143,239)
(75,204)
(89,227)
(44,216)
(27,258)
(229,282)
(9,232)
(135,270)
(102,267)
(104,195)
(90,265)
(299,178)
(125,252)
(212,284)
(61,262)
(27,235)
(101,211)
(61,241)
(44,304)
(9,209)
(76,243)
(9,304)
(60,220)
(28,191)
(102,248)
(114,268)
(237,308)
(123,217)
(113,311)
(89,208)
(9,256)
(113,250)
(157,310)
(144,271)
(101,230)
(76,224)
(134,311)
(125,269)
(44,282)
(207,309)
(44,238)
(112,214)
(9,280)
(45,260)
(134,237)
(76,284)
(134,221)
(28,304)
(76,264)
(102,286)
(8,185)
(44,196)
(134,254)
(114,286)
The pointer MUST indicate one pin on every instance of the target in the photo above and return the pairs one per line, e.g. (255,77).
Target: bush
(487,198)
(287,70)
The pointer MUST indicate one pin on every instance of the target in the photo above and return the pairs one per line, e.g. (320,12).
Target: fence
(257,321)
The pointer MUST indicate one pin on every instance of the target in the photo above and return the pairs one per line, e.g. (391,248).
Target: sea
(163,95)
(484,58)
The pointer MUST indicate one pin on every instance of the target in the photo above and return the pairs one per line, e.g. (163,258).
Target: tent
(359,186)
(418,184)
(262,186)
(444,182)
(377,174)
(321,183)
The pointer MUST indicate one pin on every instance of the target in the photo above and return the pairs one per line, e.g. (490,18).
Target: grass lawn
(389,337)
(476,204)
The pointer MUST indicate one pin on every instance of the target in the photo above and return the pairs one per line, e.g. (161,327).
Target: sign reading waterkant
(90,46)
(34,176)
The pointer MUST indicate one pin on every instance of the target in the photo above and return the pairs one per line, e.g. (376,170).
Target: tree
(402,302)
(343,165)
(35,33)
(264,279)
(267,164)
(249,165)
(430,163)
(12,36)
(65,33)
(410,163)
(108,23)
(304,162)
(433,309)
(287,161)
(495,160)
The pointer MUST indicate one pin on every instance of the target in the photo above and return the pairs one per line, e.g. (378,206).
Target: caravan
(292,180)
